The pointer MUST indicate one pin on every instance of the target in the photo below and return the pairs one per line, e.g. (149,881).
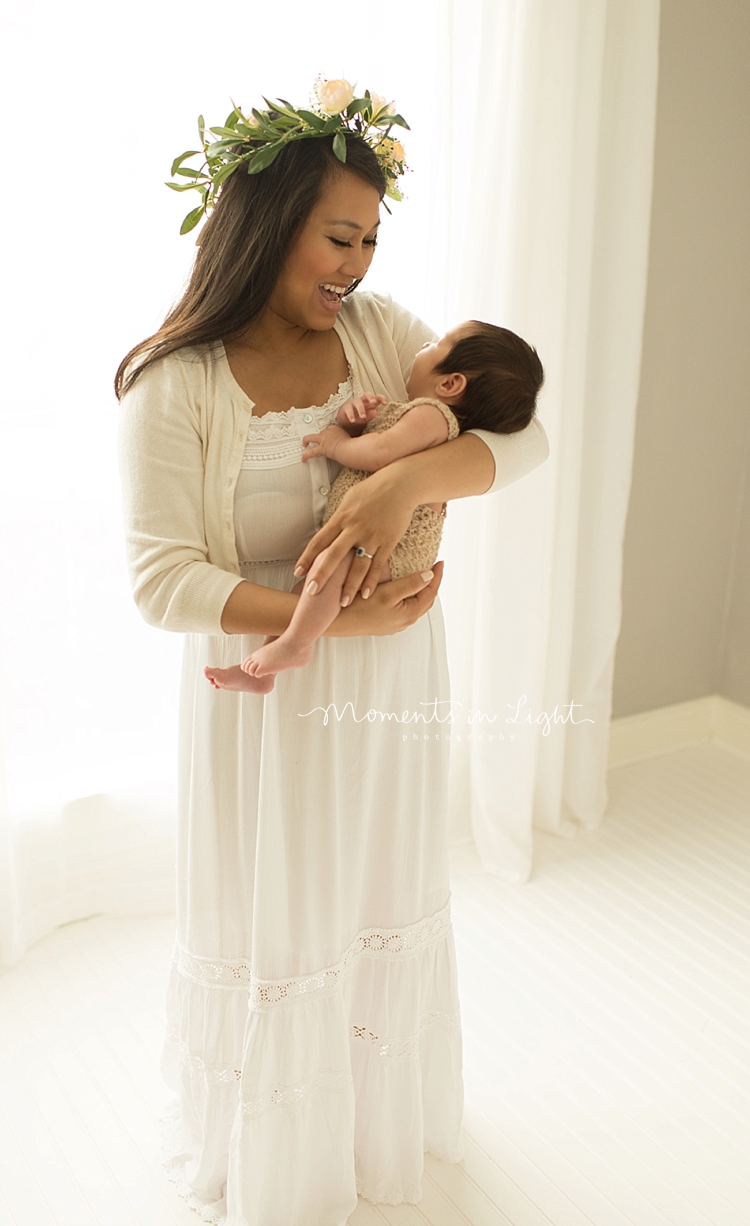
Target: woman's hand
(374,514)
(392,607)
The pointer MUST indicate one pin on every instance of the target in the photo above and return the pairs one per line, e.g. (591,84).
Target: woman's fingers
(423,596)
(363,574)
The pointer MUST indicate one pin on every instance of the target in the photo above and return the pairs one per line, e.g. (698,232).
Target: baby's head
(488,377)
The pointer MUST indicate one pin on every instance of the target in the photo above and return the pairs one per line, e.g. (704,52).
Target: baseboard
(650,733)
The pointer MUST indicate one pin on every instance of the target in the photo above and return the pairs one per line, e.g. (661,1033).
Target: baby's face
(423,378)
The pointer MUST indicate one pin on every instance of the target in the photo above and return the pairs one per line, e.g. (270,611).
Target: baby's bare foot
(275,657)
(235,679)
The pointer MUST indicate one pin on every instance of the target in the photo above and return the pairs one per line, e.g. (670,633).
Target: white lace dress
(314,1039)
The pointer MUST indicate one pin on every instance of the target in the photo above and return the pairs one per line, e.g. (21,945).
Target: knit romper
(418,547)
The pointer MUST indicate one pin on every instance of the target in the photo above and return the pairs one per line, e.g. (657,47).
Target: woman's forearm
(459,469)
(254,609)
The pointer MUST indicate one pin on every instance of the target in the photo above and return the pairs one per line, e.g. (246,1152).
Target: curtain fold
(550,238)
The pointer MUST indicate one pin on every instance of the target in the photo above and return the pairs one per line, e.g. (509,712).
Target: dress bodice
(279,501)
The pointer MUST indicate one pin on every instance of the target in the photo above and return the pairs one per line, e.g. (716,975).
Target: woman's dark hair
(504,377)
(244,244)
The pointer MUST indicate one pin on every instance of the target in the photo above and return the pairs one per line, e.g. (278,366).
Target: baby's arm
(422,427)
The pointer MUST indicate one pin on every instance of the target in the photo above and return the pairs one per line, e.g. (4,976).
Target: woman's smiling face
(334,249)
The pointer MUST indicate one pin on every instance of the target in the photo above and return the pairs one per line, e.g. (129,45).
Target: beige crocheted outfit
(418,547)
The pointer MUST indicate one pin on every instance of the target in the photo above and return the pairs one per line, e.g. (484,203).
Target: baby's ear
(452,386)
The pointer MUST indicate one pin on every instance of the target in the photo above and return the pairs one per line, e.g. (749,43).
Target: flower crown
(254,140)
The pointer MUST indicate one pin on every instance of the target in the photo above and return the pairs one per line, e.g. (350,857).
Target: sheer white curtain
(528,203)
(548,192)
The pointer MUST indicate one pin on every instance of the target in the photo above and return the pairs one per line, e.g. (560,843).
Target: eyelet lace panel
(404,1048)
(388,943)
(399,1048)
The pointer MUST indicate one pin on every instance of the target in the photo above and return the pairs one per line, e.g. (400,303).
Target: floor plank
(606,1042)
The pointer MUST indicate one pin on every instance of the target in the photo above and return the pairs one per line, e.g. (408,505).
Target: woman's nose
(357,262)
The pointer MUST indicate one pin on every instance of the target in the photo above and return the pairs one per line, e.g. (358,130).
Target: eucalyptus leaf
(192,219)
(182,187)
(201,127)
(187,172)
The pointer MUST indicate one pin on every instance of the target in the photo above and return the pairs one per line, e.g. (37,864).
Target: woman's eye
(338,242)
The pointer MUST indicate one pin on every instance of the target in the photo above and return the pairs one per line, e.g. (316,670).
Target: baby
(476,376)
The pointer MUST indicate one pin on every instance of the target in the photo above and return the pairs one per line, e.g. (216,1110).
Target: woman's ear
(452,386)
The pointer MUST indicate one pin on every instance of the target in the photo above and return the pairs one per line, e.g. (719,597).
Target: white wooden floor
(607,1048)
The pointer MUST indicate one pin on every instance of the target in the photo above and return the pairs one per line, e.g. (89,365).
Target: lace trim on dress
(274,439)
(404,1048)
(388,943)
(287,1095)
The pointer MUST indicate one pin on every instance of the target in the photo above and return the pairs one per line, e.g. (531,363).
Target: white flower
(379,104)
(334,96)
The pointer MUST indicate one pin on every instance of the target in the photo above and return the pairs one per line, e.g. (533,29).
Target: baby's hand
(323,444)
(359,410)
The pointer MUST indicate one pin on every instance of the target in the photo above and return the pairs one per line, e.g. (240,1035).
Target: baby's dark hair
(504,377)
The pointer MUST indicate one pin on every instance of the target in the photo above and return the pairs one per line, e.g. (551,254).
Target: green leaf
(282,108)
(232,118)
(315,121)
(226,171)
(201,127)
(226,132)
(192,219)
(187,172)
(191,153)
(218,148)
(264,157)
(182,187)
(339,146)
(356,106)
(396,119)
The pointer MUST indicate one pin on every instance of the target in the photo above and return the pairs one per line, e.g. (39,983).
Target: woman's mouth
(332,295)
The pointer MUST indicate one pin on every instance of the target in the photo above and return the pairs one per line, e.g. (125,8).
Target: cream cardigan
(182,435)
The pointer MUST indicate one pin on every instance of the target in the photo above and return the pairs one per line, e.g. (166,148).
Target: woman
(314,1036)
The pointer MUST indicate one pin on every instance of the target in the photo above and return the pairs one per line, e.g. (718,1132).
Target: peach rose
(334,96)
(392,148)
(379,104)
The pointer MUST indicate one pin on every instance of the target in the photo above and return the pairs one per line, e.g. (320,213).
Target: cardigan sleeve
(515,455)
(161,465)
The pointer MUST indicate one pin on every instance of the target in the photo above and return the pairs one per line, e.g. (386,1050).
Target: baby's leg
(313,614)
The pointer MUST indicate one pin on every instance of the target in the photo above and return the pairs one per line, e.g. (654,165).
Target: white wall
(686,586)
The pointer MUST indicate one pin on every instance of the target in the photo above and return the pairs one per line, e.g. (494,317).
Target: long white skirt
(314,1042)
